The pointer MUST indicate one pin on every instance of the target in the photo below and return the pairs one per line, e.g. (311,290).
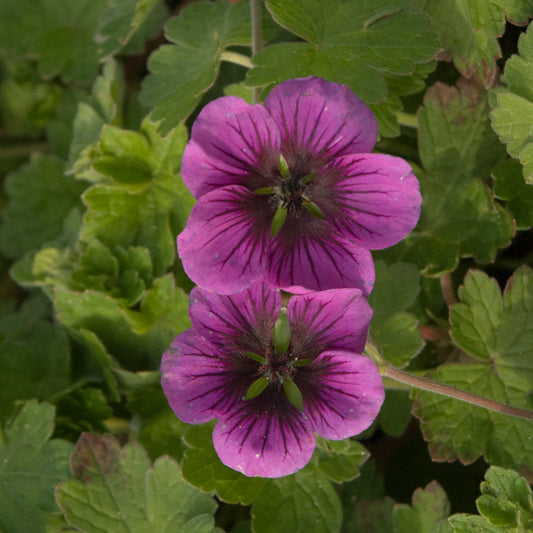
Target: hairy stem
(418,382)
(257,39)
(446,390)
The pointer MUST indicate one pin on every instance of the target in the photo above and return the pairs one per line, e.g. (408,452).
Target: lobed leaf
(459,216)
(30,466)
(498,331)
(181,73)
(119,490)
(512,112)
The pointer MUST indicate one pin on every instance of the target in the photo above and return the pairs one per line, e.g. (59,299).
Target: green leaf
(182,72)
(427,514)
(40,198)
(34,356)
(303,502)
(59,35)
(202,467)
(397,287)
(339,460)
(146,204)
(512,112)
(372,517)
(105,106)
(122,20)
(118,490)
(509,185)
(30,466)
(395,413)
(498,332)
(459,216)
(349,42)
(505,504)
(137,338)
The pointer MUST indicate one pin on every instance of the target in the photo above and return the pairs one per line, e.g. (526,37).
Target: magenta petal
(321,118)
(198,381)
(336,319)
(306,254)
(223,245)
(230,141)
(378,202)
(343,393)
(242,321)
(274,441)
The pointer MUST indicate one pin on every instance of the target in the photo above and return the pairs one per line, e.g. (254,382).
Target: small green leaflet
(180,73)
(30,466)
(512,113)
(505,505)
(497,331)
(119,490)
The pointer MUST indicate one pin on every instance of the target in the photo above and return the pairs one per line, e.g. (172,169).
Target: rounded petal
(198,380)
(224,243)
(265,439)
(307,254)
(328,320)
(377,202)
(342,394)
(231,143)
(242,321)
(321,119)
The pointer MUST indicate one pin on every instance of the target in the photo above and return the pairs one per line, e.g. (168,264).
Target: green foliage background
(96,103)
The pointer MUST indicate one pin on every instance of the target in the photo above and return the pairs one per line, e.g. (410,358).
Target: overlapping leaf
(468,31)
(119,490)
(34,356)
(459,216)
(497,331)
(354,43)
(505,504)
(144,201)
(512,114)
(40,198)
(59,34)
(124,19)
(180,73)
(509,185)
(395,331)
(30,466)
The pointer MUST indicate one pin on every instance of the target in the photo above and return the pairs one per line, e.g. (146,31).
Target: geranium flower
(289,192)
(272,377)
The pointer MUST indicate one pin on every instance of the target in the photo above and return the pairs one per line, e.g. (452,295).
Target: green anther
(278,220)
(257,387)
(314,209)
(265,190)
(301,362)
(293,394)
(308,179)
(283,167)
(255,357)
(282,333)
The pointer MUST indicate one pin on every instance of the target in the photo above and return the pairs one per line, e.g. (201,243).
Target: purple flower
(272,377)
(289,193)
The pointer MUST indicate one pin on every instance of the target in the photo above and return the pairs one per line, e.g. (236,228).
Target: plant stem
(407,119)
(257,39)
(446,390)
(238,59)
(446,284)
